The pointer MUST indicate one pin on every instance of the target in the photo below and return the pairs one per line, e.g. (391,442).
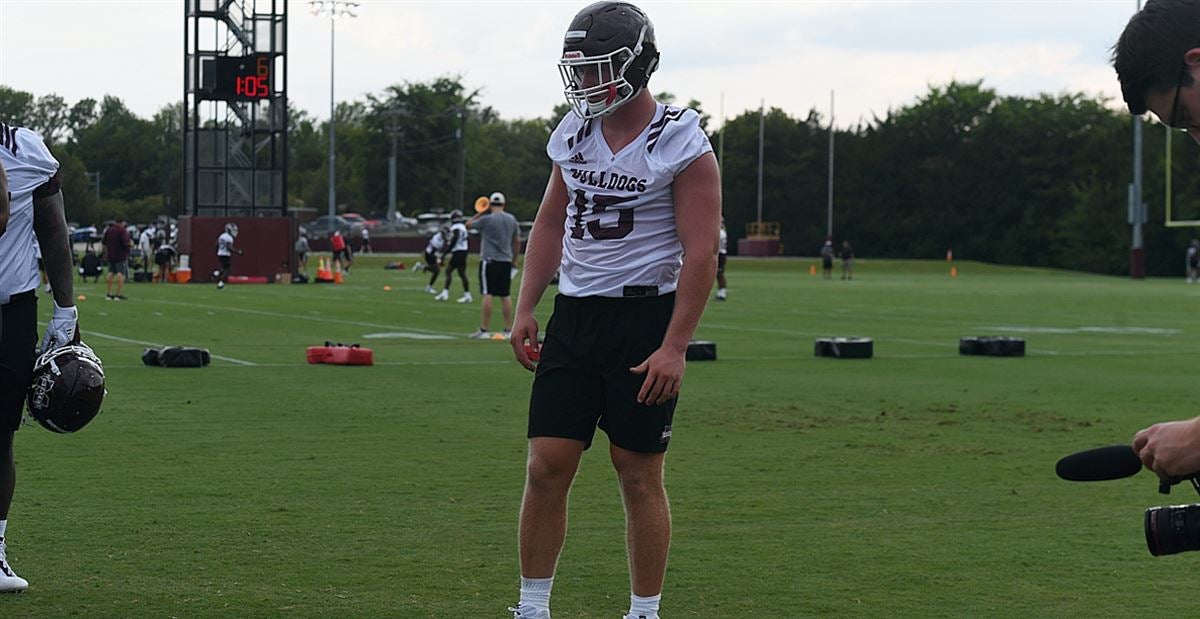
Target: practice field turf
(915,484)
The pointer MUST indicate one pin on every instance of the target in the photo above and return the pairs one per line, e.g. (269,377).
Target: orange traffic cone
(337,275)
(812,269)
(323,274)
(953,271)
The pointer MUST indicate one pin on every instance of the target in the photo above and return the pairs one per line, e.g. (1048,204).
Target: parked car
(429,223)
(322,226)
(86,234)
(356,218)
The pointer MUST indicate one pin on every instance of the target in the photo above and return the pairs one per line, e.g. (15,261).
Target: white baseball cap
(497,198)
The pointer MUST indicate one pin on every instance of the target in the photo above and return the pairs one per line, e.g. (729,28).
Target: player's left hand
(63,328)
(241,252)
(664,375)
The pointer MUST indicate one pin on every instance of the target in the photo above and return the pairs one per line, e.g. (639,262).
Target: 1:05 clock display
(242,78)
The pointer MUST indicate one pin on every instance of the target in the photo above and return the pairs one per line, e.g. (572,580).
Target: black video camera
(1170,529)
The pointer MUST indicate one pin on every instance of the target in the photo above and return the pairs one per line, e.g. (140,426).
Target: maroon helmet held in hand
(67,388)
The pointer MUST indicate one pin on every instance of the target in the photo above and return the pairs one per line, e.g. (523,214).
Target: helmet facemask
(618,76)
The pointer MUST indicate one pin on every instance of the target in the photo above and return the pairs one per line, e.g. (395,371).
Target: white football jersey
(620,227)
(436,243)
(724,246)
(29,165)
(225,244)
(462,243)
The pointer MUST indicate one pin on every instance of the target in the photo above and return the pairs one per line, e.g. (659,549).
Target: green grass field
(916,484)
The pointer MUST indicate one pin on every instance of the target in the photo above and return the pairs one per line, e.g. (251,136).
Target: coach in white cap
(500,244)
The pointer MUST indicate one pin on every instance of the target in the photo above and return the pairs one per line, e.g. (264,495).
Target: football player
(631,213)
(434,254)
(722,251)
(458,245)
(35,208)
(225,251)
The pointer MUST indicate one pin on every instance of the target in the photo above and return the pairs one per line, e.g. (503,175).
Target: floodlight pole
(829,220)
(1137,253)
(761,127)
(333,9)
(332,130)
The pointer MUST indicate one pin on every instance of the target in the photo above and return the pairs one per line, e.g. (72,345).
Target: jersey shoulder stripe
(8,138)
(670,114)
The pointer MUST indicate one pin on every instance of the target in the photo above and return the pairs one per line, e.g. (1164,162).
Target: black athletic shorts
(18,351)
(583,378)
(495,277)
(720,263)
(431,259)
(224,262)
(827,263)
(119,267)
(458,260)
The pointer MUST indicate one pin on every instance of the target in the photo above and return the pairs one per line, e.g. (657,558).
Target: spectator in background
(116,252)
(827,259)
(302,250)
(145,245)
(164,257)
(341,251)
(1193,261)
(366,241)
(847,256)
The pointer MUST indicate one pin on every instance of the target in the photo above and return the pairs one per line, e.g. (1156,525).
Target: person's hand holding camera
(1170,449)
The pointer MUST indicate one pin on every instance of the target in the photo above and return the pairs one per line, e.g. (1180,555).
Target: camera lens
(1172,529)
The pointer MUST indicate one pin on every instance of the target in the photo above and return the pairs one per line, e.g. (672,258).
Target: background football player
(225,251)
(458,246)
(631,212)
(36,207)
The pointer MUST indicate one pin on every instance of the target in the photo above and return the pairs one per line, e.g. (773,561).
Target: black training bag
(183,357)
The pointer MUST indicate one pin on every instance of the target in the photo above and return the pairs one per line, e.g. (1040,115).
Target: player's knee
(548,473)
(639,476)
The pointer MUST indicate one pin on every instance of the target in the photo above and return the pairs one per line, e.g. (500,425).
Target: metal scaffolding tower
(235,111)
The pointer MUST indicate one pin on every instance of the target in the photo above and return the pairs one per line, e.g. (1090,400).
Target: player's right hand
(525,329)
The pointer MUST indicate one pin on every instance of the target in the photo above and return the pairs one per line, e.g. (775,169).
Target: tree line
(1037,181)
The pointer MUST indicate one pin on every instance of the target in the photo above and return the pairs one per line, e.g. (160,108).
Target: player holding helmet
(35,207)
(631,214)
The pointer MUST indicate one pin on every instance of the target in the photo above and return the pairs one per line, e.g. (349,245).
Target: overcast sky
(876,55)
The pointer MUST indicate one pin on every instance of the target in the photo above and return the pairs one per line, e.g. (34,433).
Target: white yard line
(157,345)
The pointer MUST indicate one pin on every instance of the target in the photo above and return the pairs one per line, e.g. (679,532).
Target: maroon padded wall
(268,244)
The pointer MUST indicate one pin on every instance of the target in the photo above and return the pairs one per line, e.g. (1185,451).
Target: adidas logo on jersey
(577,158)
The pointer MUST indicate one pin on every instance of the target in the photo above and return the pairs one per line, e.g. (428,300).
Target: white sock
(640,606)
(535,592)
(3,526)
(721,291)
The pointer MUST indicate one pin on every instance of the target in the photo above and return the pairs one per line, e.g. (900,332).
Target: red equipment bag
(340,354)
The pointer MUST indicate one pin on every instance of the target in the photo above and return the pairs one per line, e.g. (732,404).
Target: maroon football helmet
(67,388)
